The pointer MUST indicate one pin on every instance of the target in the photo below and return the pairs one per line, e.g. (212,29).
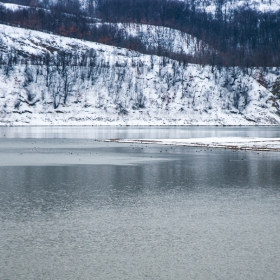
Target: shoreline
(233,143)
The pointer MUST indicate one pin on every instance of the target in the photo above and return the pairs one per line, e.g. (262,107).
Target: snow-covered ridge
(13,7)
(210,6)
(154,37)
(29,42)
(108,85)
(159,37)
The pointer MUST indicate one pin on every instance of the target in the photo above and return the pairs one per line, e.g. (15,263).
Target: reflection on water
(136,132)
(207,215)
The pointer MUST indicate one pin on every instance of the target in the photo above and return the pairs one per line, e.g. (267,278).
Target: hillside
(236,33)
(230,5)
(155,39)
(50,79)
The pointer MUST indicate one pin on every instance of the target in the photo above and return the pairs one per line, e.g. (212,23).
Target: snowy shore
(238,143)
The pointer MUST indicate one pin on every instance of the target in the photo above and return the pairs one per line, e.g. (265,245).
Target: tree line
(242,37)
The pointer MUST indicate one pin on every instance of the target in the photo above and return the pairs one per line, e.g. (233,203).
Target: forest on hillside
(241,37)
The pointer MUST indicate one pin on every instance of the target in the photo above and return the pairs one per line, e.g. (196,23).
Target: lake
(72,207)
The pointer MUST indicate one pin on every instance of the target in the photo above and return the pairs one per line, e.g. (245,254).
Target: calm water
(101,132)
(81,209)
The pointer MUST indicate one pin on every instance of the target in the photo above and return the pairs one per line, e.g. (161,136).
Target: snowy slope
(229,5)
(13,7)
(170,40)
(29,42)
(206,5)
(155,37)
(109,85)
(209,6)
(152,37)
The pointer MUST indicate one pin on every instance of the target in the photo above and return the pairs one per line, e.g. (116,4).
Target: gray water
(136,132)
(75,208)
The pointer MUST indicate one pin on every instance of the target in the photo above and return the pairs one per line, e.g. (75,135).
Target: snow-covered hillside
(159,37)
(48,79)
(229,5)
(210,5)
(29,42)
(12,6)
(153,37)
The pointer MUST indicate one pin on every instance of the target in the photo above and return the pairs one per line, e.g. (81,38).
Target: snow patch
(242,143)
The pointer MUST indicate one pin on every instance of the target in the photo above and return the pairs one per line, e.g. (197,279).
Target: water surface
(137,212)
(143,132)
